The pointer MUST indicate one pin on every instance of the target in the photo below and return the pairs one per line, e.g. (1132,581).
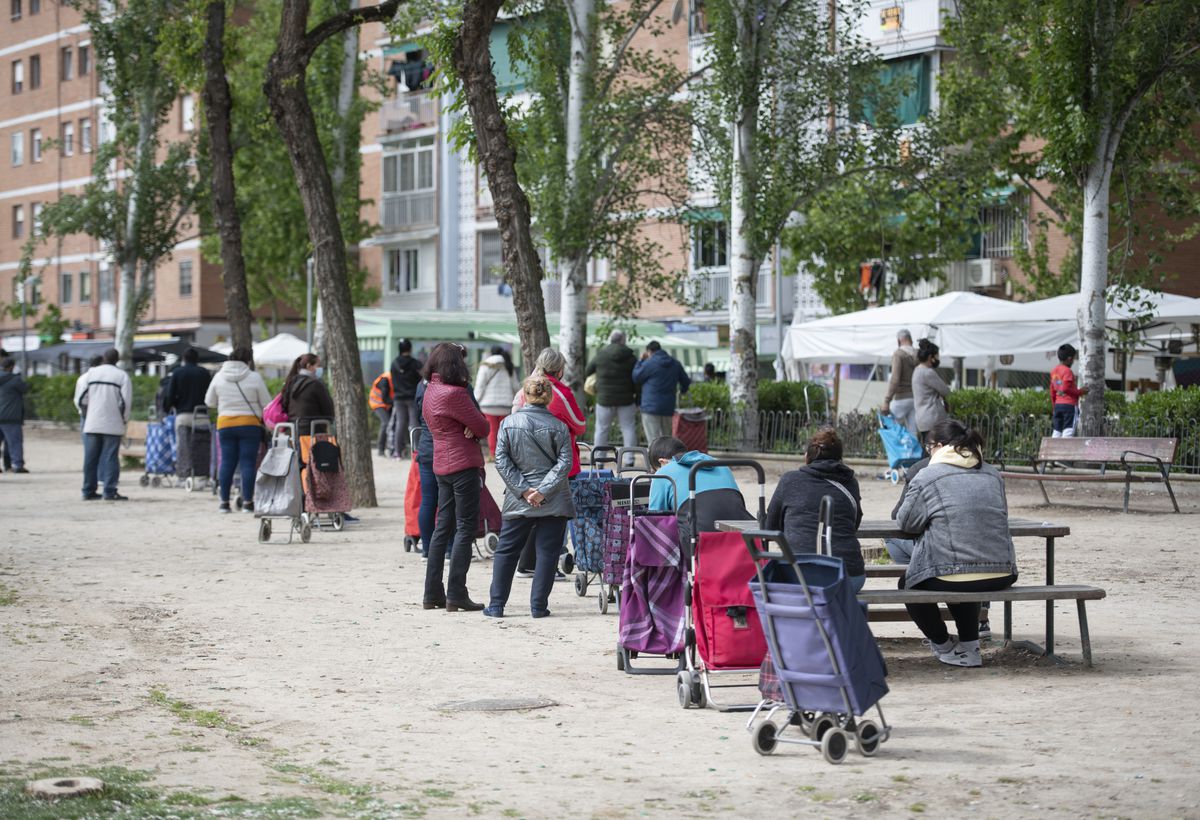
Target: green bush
(709,395)
(52,398)
(1174,407)
(1114,402)
(1031,401)
(789,396)
(977,401)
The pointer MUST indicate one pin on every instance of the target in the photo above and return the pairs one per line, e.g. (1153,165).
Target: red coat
(564,408)
(447,411)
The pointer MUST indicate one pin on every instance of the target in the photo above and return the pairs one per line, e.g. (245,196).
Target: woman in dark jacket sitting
(533,456)
(797,501)
(305,396)
(958,506)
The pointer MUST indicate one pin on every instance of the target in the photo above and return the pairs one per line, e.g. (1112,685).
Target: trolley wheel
(144,480)
(338,521)
(491,543)
(683,685)
(237,503)
(602,599)
(567,564)
(867,738)
(581,585)
(189,484)
(264,530)
(698,696)
(764,738)
(620,658)
(805,720)
(823,723)
(156,481)
(834,746)
(305,532)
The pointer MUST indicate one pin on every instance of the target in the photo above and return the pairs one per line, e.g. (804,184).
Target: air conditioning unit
(984,273)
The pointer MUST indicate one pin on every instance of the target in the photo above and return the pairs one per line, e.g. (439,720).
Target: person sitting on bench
(958,506)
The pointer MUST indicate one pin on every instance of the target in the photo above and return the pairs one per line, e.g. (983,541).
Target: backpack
(326,456)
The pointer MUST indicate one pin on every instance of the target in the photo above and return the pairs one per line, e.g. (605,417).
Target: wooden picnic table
(1017,528)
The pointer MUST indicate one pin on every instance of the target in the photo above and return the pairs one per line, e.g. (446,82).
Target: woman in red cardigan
(457,427)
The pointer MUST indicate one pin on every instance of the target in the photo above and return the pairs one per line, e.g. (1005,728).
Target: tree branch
(341,21)
(619,55)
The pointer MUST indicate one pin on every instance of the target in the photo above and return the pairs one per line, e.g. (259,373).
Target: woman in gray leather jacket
(533,456)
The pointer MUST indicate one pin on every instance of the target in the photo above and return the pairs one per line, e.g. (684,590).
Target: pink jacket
(564,408)
(447,411)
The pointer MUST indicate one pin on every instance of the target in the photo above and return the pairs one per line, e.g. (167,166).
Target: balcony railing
(408,112)
(402,211)
(710,291)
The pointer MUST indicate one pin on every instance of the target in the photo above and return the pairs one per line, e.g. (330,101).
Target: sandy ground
(328,680)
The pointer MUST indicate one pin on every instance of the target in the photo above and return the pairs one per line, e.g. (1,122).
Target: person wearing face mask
(929,391)
(305,396)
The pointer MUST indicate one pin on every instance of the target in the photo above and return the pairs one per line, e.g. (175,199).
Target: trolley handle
(648,478)
(733,462)
(825,526)
(414,437)
(284,430)
(599,455)
(320,424)
(637,452)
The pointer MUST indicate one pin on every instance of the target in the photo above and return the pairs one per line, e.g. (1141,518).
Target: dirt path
(156,635)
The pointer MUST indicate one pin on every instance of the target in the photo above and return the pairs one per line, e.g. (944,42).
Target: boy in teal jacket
(676,461)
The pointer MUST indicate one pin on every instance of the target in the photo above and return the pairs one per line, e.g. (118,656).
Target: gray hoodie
(533,450)
(961,514)
(237,390)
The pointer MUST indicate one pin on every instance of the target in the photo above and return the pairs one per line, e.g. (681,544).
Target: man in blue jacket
(657,376)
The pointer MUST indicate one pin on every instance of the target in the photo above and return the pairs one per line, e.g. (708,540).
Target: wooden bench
(1080,594)
(1127,453)
(133,443)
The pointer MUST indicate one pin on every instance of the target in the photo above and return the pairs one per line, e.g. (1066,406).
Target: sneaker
(20,470)
(985,630)
(92,497)
(540,613)
(247,506)
(961,655)
(938,649)
(494,611)
(116,497)
(347,518)
(526,573)
(224,508)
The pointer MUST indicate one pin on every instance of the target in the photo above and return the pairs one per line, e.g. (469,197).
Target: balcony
(405,211)
(709,291)
(408,111)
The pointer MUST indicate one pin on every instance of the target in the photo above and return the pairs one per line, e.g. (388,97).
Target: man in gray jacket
(103,397)
(533,456)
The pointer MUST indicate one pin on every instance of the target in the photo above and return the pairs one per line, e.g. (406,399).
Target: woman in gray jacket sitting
(958,506)
(533,456)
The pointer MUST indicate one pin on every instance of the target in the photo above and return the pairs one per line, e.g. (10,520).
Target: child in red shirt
(1064,395)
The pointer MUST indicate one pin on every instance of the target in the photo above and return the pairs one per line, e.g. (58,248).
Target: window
(36,213)
(18,225)
(35,292)
(409,167)
(185,277)
(491,258)
(85,287)
(15,9)
(35,145)
(35,71)
(404,274)
(106,284)
(85,135)
(18,76)
(64,288)
(187,112)
(65,64)
(85,61)
(17,155)
(68,139)
(35,6)
(710,245)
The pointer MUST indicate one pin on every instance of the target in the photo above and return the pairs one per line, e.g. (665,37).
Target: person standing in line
(533,456)
(496,385)
(406,375)
(380,402)
(187,388)
(929,391)
(103,396)
(427,513)
(899,397)
(305,396)
(710,374)
(613,365)
(457,427)
(12,414)
(239,395)
(1064,395)
(658,375)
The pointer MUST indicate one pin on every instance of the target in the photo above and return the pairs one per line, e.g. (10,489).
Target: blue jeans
(101,459)
(13,437)
(453,535)
(547,536)
(427,514)
(857,582)
(239,452)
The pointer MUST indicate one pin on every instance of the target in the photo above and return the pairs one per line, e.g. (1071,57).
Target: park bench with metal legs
(1127,453)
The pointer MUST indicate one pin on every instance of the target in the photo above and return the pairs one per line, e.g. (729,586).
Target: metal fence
(1009,440)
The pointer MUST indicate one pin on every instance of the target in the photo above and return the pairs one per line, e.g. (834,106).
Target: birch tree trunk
(127,293)
(1093,308)
(522,266)
(218,108)
(573,271)
(743,348)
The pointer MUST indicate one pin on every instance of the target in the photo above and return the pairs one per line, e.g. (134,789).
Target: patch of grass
(194,749)
(900,778)
(80,720)
(820,797)
(1016,781)
(8,596)
(208,718)
(917,808)
(864,797)
(974,792)
(441,794)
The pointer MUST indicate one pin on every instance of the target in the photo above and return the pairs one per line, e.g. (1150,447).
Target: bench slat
(1042,593)
(1107,449)
(1110,478)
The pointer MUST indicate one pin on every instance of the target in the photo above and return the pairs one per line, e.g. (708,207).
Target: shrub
(709,395)
(1031,401)
(977,401)
(790,396)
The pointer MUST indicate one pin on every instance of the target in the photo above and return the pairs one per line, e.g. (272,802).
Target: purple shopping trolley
(829,669)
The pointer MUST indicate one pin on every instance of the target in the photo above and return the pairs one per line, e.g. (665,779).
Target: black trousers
(966,616)
(454,533)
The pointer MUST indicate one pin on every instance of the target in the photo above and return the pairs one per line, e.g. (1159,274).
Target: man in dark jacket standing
(406,375)
(613,366)
(186,391)
(12,414)
(658,375)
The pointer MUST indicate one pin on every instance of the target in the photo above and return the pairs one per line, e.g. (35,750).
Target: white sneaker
(938,649)
(961,655)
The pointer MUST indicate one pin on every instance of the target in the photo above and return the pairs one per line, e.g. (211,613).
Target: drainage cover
(55,788)
(496,705)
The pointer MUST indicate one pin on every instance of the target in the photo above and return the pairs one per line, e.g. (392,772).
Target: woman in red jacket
(456,426)
(551,364)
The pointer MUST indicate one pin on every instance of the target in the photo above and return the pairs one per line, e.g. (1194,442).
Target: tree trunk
(522,267)
(573,271)
(288,98)
(127,294)
(218,108)
(1093,308)
(743,347)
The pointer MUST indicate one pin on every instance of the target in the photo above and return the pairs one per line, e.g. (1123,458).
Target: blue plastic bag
(900,445)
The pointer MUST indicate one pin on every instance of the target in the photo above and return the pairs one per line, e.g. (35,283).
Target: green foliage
(1166,406)
(52,398)
(51,325)
(1032,401)
(977,401)
(709,395)
(790,397)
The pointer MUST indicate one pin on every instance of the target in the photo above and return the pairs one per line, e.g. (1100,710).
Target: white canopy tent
(278,351)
